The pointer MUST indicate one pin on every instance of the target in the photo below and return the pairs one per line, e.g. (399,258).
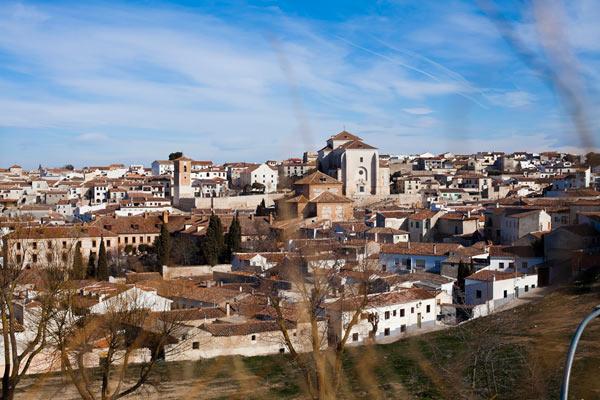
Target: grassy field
(518,353)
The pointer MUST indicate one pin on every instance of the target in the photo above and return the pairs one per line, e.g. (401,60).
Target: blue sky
(97,82)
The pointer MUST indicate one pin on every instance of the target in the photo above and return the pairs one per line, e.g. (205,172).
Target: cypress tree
(233,239)
(163,246)
(78,270)
(213,243)
(102,270)
(91,271)
(261,209)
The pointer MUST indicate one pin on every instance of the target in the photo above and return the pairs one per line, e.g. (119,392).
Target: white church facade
(356,164)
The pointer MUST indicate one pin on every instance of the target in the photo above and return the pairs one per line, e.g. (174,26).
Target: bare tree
(127,338)
(318,290)
(28,299)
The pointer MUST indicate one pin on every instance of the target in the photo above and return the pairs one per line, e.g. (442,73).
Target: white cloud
(418,110)
(91,137)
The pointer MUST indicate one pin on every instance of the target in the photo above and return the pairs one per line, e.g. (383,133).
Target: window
(18,258)
(478,294)
(533,286)
(361,159)
(428,309)
(34,258)
(49,244)
(387,315)
(417,224)
(524,265)
(108,243)
(93,243)
(64,244)
(18,245)
(126,240)
(355,337)
(253,338)
(412,310)
(281,350)
(34,245)
(527,288)
(402,328)
(394,313)
(501,265)
(402,312)
(505,294)
(195,345)
(386,332)
(361,189)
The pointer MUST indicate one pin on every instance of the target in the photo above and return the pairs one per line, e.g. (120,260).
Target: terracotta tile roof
(400,296)
(328,197)
(297,199)
(317,178)
(418,248)
(419,277)
(490,275)
(458,217)
(56,232)
(193,314)
(357,145)
(383,230)
(423,214)
(583,230)
(345,135)
(396,213)
(131,224)
(241,329)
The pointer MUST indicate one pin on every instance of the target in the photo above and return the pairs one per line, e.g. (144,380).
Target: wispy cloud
(163,78)
(418,110)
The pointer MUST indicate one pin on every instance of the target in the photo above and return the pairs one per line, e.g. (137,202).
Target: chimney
(408,244)
(165,217)
(270,218)
(251,217)
(468,213)
(434,248)
(227,309)
(241,289)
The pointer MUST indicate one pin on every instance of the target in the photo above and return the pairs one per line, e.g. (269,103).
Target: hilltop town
(343,246)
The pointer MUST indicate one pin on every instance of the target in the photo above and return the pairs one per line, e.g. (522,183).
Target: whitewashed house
(262,174)
(524,258)
(497,287)
(396,314)
(131,298)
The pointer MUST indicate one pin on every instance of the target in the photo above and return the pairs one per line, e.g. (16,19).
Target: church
(356,164)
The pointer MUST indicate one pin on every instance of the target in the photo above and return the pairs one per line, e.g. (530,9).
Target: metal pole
(564,391)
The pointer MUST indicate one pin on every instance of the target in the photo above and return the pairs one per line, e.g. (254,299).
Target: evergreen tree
(102,270)
(464,270)
(163,246)
(78,270)
(233,239)
(91,265)
(261,208)
(213,243)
